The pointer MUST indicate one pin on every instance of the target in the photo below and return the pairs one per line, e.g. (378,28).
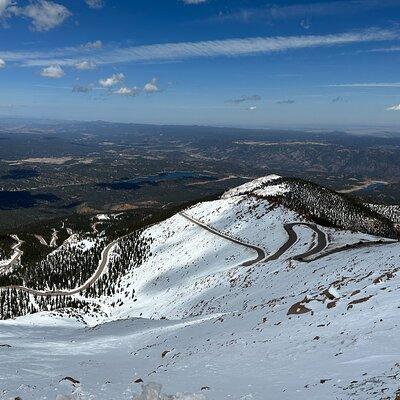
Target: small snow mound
(152,391)
(251,186)
(334,292)
(103,217)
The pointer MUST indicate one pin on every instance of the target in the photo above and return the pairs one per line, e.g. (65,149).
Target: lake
(154,180)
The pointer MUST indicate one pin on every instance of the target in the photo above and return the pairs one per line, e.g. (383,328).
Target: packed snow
(103,217)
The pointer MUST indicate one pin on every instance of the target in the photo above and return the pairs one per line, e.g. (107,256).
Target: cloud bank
(203,49)
(301,11)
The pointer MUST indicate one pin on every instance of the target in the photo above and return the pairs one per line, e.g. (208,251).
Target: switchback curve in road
(260,252)
(104,259)
(316,248)
(320,245)
(353,246)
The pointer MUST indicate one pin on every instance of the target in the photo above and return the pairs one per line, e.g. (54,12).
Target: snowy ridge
(251,186)
(321,205)
(202,321)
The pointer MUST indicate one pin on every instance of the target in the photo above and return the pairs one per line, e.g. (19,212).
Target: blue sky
(214,62)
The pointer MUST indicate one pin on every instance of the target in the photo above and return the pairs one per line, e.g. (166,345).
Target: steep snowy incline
(191,267)
(204,322)
(342,351)
(188,263)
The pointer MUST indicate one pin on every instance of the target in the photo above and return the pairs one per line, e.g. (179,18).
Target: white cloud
(238,47)
(95,3)
(45,15)
(47,57)
(194,1)
(53,71)
(85,65)
(252,108)
(3,6)
(2,63)
(126,91)
(394,108)
(112,80)
(151,87)
(368,85)
(382,50)
(304,11)
(187,50)
(96,45)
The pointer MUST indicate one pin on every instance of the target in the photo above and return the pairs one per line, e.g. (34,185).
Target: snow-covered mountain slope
(323,205)
(238,298)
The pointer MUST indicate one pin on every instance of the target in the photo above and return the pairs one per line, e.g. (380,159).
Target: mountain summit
(319,204)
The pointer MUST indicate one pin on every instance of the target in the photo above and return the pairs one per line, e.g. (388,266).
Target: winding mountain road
(354,246)
(260,252)
(322,241)
(316,248)
(105,257)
